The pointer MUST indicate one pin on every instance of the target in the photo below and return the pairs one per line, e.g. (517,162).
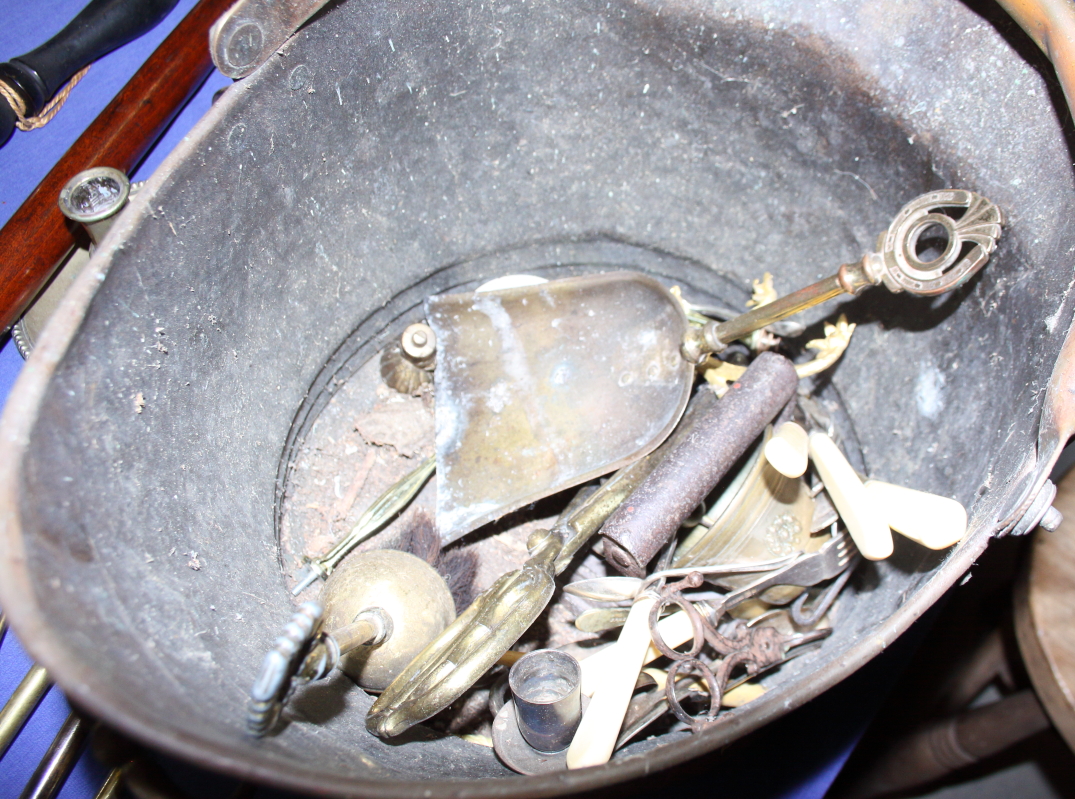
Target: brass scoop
(541,388)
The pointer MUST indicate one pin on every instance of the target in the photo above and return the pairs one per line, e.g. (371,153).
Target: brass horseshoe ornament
(970,237)
(970,240)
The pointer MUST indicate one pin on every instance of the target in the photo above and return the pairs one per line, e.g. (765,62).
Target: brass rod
(21,705)
(384,508)
(112,788)
(356,634)
(808,297)
(55,767)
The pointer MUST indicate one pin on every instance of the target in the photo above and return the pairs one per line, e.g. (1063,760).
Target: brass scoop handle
(896,263)
(477,639)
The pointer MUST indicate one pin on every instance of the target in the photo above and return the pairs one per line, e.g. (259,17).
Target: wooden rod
(38,236)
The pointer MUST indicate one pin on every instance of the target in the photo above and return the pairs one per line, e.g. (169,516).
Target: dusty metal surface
(430,148)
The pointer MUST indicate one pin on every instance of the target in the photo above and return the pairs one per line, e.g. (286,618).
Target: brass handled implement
(475,641)
(968,241)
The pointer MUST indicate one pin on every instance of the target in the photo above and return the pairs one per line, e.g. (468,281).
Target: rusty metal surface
(542,388)
(782,144)
(756,648)
(653,513)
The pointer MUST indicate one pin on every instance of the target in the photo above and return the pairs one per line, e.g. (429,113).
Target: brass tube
(112,788)
(55,767)
(1051,24)
(727,332)
(21,705)
(358,633)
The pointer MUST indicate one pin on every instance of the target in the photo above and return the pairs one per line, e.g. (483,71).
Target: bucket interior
(394,151)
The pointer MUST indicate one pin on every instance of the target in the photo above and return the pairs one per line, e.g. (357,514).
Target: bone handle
(931,520)
(600,726)
(863,518)
(675,629)
(786,451)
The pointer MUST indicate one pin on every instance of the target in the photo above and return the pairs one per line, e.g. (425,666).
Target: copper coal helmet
(392,152)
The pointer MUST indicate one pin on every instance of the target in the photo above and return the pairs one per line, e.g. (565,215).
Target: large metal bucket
(395,150)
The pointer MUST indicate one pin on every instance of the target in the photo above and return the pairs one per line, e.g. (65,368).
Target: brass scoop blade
(541,388)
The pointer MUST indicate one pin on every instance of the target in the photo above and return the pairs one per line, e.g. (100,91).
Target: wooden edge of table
(1044,604)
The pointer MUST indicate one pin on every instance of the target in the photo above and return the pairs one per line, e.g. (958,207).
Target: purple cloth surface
(796,757)
(24,161)
(26,751)
(29,155)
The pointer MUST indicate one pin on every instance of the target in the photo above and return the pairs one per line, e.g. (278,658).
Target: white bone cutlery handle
(675,629)
(786,451)
(933,521)
(600,726)
(865,521)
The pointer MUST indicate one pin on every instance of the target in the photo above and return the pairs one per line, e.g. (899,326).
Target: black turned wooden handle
(100,28)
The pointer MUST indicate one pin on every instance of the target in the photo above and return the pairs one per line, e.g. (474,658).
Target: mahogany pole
(38,236)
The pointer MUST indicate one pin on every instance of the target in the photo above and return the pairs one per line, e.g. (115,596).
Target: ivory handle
(600,726)
(786,451)
(864,519)
(675,629)
(933,521)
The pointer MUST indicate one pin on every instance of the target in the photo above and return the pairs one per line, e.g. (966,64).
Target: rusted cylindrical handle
(650,516)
